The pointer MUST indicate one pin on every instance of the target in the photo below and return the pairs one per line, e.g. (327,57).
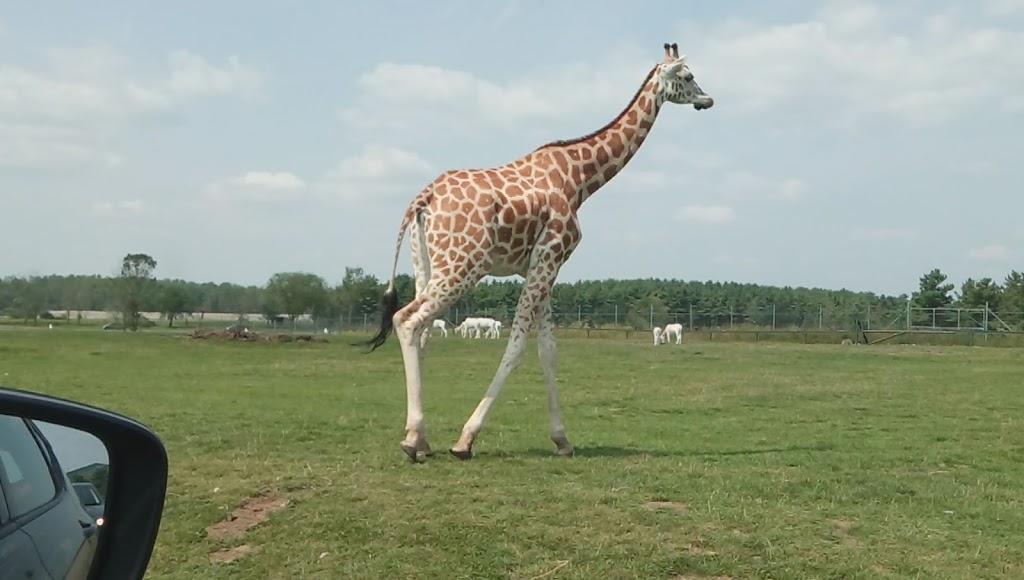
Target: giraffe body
(519,218)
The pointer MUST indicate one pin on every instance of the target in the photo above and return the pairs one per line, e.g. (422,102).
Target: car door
(18,556)
(40,501)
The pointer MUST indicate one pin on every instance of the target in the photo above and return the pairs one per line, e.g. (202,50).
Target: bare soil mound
(251,336)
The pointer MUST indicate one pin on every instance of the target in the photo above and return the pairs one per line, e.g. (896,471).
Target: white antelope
(658,337)
(475,325)
(440,324)
(673,329)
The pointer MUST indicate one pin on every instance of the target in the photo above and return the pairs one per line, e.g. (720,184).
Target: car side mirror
(110,479)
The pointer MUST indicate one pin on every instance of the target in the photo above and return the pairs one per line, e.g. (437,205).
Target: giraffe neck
(595,159)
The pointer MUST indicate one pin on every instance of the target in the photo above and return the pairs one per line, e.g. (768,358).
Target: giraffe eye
(688,78)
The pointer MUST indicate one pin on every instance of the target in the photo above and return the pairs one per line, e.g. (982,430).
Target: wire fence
(760,319)
(769,318)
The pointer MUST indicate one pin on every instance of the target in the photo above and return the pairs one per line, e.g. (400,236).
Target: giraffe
(516,219)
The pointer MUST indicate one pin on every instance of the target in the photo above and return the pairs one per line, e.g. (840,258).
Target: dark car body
(55,539)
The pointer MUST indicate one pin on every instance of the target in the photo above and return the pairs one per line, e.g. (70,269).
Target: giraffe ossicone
(516,219)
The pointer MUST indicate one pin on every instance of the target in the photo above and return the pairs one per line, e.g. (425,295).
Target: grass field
(707,460)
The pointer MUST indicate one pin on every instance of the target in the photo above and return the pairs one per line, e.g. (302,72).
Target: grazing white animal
(673,329)
(495,331)
(476,326)
(441,325)
(658,338)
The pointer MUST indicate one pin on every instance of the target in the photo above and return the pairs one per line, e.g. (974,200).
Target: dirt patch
(841,530)
(666,505)
(697,547)
(228,555)
(254,511)
(251,336)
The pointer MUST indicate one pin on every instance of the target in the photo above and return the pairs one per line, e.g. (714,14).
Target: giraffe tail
(389,301)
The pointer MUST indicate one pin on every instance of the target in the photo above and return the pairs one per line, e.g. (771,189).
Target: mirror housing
(135,495)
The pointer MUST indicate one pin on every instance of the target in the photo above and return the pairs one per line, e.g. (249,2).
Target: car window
(86,495)
(24,472)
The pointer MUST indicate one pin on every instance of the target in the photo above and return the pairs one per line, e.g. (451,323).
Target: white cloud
(270,180)
(1004,7)
(708,214)
(192,76)
(739,182)
(990,253)
(974,168)
(729,260)
(68,108)
(118,208)
(882,234)
(258,186)
(645,179)
(429,102)
(856,59)
(379,171)
(26,149)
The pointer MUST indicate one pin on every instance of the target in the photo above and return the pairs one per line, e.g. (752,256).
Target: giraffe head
(675,82)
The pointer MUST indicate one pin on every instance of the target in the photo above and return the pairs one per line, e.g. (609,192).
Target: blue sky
(852,144)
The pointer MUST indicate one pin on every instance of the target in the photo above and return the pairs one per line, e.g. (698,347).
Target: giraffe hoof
(414,455)
(463,455)
(565,452)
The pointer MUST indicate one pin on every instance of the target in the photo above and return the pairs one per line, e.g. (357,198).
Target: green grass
(784,460)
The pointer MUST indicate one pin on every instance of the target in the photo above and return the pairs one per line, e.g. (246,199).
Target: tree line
(634,302)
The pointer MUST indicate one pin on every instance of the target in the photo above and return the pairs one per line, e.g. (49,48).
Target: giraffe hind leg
(411,323)
(549,359)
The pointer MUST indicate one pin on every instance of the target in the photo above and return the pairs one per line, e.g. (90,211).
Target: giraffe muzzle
(705,103)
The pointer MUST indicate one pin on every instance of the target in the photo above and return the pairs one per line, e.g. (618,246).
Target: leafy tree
(933,291)
(358,293)
(134,282)
(641,310)
(269,309)
(980,293)
(297,293)
(1013,292)
(174,301)
(30,299)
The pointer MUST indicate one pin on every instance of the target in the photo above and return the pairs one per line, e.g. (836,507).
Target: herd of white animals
(663,335)
(484,327)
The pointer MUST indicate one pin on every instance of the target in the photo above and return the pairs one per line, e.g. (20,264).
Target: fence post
(820,309)
(617,316)
(691,316)
(652,315)
(579,313)
(985,318)
(908,314)
(867,323)
(773,317)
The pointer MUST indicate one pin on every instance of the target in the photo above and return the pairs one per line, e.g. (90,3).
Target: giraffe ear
(675,67)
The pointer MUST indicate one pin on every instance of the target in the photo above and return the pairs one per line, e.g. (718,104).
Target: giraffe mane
(617,118)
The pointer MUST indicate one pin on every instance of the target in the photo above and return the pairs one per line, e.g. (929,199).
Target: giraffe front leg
(463,448)
(548,352)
